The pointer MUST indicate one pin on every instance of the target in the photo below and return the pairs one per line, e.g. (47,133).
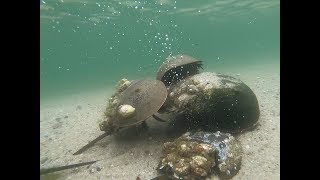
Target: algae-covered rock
(228,151)
(201,155)
(214,101)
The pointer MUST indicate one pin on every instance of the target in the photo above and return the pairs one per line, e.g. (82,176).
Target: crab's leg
(158,118)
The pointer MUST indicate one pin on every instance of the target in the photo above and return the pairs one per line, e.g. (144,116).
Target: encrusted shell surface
(200,155)
(214,101)
(145,97)
(123,84)
(229,150)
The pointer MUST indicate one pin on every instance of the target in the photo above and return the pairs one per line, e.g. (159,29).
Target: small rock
(66,117)
(78,107)
(58,119)
(57,125)
(273,128)
(75,170)
(92,170)
(247,146)
(147,152)
(44,160)
(238,74)
(131,154)
(99,168)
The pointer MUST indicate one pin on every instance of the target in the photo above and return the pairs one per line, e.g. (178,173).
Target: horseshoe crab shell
(214,101)
(146,96)
(178,67)
(133,103)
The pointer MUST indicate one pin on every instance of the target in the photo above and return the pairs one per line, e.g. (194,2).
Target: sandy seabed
(68,123)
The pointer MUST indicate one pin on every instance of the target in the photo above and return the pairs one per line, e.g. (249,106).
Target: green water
(88,44)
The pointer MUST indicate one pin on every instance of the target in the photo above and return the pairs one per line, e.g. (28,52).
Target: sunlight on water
(88,44)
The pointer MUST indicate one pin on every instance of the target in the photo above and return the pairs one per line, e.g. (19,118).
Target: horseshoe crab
(144,97)
(133,103)
(178,67)
(201,154)
(214,101)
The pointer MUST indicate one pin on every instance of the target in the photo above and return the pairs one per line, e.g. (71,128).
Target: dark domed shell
(178,67)
(146,96)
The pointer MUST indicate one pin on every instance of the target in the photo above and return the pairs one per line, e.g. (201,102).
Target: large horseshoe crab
(213,100)
(133,103)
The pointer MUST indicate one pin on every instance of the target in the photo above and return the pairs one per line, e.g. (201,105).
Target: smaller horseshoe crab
(178,67)
(201,154)
(133,103)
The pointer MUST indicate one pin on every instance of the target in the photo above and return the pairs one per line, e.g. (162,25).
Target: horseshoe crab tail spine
(91,143)
(55,169)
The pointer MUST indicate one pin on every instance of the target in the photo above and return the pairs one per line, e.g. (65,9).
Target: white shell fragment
(126,111)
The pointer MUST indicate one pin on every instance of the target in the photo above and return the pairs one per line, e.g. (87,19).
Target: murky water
(87,46)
